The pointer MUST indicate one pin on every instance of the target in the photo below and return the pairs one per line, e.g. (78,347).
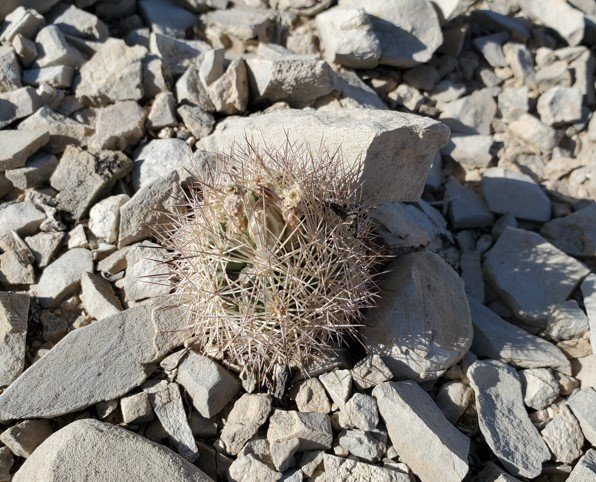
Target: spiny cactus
(272,257)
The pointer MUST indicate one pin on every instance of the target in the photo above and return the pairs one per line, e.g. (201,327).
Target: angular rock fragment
(247,416)
(54,49)
(370,371)
(22,217)
(539,386)
(17,146)
(564,437)
(241,24)
(109,452)
(471,151)
(497,339)
(76,22)
(210,386)
(453,399)
(176,54)
(21,21)
(471,114)
(104,217)
(14,311)
(98,298)
(347,37)
(467,209)
(529,129)
(575,234)
(27,51)
(311,397)
(567,321)
(198,121)
(63,276)
(417,427)
(588,290)
(136,408)
(118,126)
(491,48)
(338,384)
(519,58)
(43,246)
(23,438)
(513,103)
(166,400)
(517,268)
(585,468)
(59,76)
(17,104)
(339,468)
(503,419)
(567,21)
(82,177)
(16,268)
(581,403)
(159,158)
(373,136)
(408,31)
(560,105)
(360,412)
(165,17)
(434,331)
(250,466)
(229,93)
(162,111)
(10,72)
(146,275)
(362,445)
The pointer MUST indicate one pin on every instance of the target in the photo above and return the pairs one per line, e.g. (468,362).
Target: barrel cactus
(273,257)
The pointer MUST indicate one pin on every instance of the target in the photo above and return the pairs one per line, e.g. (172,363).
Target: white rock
(513,103)
(362,445)
(145,262)
(118,126)
(210,386)
(560,16)
(471,151)
(529,129)
(417,428)
(249,413)
(23,438)
(176,54)
(497,339)
(17,104)
(59,76)
(491,48)
(519,58)
(516,266)
(503,419)
(360,412)
(516,193)
(54,49)
(104,217)
(17,146)
(165,17)
(241,24)
(159,158)
(14,311)
(23,21)
(588,290)
(43,246)
(229,93)
(575,233)
(162,113)
(347,37)
(25,50)
(408,31)
(338,384)
(249,467)
(539,386)
(471,114)
(434,331)
(453,399)
(62,278)
(560,105)
(113,74)
(136,408)
(564,437)
(109,452)
(98,298)
(10,71)
(311,397)
(369,372)
(22,217)
(198,121)
(585,468)
(77,22)
(166,401)
(582,403)
(567,321)
(339,468)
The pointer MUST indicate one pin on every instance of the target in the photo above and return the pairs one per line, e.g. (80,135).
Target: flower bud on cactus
(272,258)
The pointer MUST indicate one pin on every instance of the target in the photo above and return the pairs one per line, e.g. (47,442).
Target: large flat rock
(421,325)
(96,452)
(396,148)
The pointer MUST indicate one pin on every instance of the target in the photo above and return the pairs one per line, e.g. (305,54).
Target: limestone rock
(159,158)
(529,129)
(370,371)
(467,209)
(176,54)
(249,413)
(588,290)
(339,468)
(54,49)
(198,121)
(567,321)
(21,217)
(453,399)
(136,408)
(250,467)
(360,412)
(471,114)
(362,445)
(20,21)
(503,419)
(434,329)
(109,452)
(417,427)
(14,313)
(17,104)
(10,72)
(118,126)
(43,246)
(23,438)
(146,275)
(17,146)
(516,267)
(165,17)
(229,93)
(575,234)
(104,217)
(311,397)
(539,386)
(585,468)
(561,17)
(97,297)
(470,151)
(374,136)
(560,105)
(77,22)
(564,437)
(338,384)
(581,403)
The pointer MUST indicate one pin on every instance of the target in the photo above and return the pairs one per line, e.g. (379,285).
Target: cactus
(272,258)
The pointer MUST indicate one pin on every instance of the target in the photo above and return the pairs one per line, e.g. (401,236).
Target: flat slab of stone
(575,234)
(340,468)
(585,468)
(503,419)
(95,451)
(498,339)
(419,432)
(582,403)
(14,311)
(99,362)
(159,158)
(396,149)
(22,217)
(17,145)
(530,274)
(421,325)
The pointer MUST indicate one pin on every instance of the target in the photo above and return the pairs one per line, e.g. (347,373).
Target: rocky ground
(479,359)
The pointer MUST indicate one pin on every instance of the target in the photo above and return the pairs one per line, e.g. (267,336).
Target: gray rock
(491,48)
(575,233)
(362,445)
(585,468)
(494,473)
(165,17)
(466,208)
(553,75)
(567,321)
(190,89)
(408,31)
(98,362)
(529,129)
(146,274)
(109,452)
(59,76)
(21,217)
(241,24)
(539,386)
(249,467)
(176,54)
(97,297)
(347,37)
(118,126)
(166,401)
(15,268)
(210,386)
(470,151)
(417,427)
(54,49)
(360,412)
(298,80)
(434,331)
(43,246)
(564,437)
(229,93)
(373,136)
(113,74)
(513,103)
(311,397)
(62,278)
(6,463)
(581,403)
(339,468)
(503,419)
(162,113)
(14,314)
(249,413)
(17,146)
(512,192)
(519,58)
(453,399)
(23,438)
(470,264)
(17,104)
(26,50)
(63,130)
(401,226)
(369,372)
(104,217)
(561,17)
(153,77)
(560,105)
(198,121)
(159,158)
(21,21)
(10,72)
(36,171)
(588,290)
(338,384)
(516,267)
(136,408)
(471,114)
(497,339)
(82,177)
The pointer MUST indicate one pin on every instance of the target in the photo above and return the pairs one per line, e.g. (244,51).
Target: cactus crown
(272,257)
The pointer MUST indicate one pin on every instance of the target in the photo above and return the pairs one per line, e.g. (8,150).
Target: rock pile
(479,361)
